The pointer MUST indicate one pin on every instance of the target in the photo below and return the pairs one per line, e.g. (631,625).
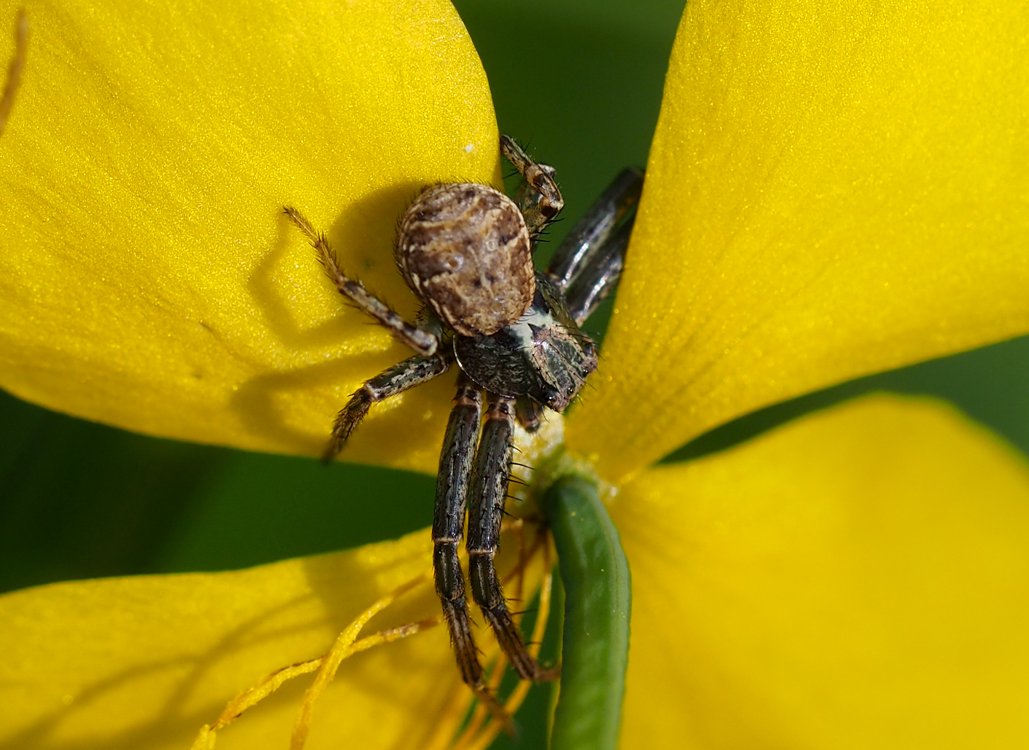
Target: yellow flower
(831,192)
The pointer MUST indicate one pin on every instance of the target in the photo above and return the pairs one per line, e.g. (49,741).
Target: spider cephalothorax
(466,250)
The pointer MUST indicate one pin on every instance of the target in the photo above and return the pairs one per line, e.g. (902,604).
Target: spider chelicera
(465,250)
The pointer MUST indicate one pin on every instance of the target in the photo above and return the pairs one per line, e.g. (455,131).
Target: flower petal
(144,662)
(147,276)
(858,578)
(833,190)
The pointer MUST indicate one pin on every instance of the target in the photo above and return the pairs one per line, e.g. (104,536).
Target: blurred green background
(580,84)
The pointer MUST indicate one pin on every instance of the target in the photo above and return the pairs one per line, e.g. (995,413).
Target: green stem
(598,597)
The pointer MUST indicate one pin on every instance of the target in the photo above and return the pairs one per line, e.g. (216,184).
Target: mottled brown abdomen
(465,250)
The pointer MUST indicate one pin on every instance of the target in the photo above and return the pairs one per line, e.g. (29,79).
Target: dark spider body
(542,355)
(466,251)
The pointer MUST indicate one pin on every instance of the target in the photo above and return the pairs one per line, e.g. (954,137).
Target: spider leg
(486,497)
(398,378)
(539,198)
(421,341)
(587,265)
(455,466)
(599,277)
(596,226)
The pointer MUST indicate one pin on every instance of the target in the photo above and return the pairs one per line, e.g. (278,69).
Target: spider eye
(553,398)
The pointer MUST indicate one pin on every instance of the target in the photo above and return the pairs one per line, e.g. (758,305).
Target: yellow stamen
(346,645)
(490,716)
(343,648)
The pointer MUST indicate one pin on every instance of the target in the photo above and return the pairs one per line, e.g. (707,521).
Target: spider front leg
(588,263)
(539,199)
(487,494)
(421,341)
(398,378)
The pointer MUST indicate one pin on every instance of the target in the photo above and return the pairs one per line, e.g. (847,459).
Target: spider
(466,250)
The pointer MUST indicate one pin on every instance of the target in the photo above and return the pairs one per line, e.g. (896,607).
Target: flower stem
(598,597)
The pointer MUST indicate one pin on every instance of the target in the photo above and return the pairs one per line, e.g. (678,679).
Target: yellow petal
(857,579)
(147,276)
(834,189)
(145,662)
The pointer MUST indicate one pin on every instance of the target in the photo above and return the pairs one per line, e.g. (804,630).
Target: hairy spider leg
(486,495)
(455,468)
(421,341)
(539,198)
(599,276)
(588,263)
(596,226)
(398,378)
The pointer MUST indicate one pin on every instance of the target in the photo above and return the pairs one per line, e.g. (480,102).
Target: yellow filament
(346,645)
(489,718)
(341,649)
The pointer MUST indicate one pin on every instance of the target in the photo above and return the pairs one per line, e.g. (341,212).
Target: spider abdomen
(465,251)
